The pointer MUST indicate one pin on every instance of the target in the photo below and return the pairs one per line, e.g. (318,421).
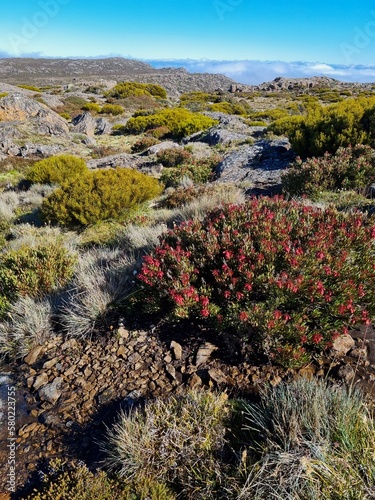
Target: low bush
(112,109)
(285,277)
(75,482)
(99,195)
(30,87)
(3,94)
(349,168)
(34,271)
(326,128)
(127,89)
(180,121)
(199,171)
(143,144)
(179,441)
(92,106)
(172,157)
(56,170)
(183,195)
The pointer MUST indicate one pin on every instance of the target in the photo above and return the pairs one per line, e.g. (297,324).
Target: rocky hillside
(57,71)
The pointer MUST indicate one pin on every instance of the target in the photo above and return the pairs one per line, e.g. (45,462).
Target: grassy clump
(92,106)
(112,109)
(283,276)
(309,441)
(143,143)
(56,170)
(98,196)
(179,441)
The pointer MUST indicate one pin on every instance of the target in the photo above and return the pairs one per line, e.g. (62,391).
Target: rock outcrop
(260,164)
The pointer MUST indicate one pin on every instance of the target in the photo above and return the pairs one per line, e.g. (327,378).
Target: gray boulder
(84,124)
(102,127)
(260,164)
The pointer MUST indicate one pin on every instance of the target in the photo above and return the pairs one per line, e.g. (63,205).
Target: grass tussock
(28,324)
(179,440)
(310,441)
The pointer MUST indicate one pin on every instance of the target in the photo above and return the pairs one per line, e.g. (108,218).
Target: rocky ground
(68,390)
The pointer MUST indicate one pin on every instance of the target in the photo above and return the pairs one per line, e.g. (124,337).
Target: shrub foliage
(326,128)
(284,276)
(181,122)
(56,169)
(350,168)
(127,89)
(99,195)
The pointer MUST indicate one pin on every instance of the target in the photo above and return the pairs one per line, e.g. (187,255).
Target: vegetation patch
(285,277)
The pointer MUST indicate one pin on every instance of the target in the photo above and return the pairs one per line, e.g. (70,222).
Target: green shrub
(159,132)
(92,106)
(99,195)
(325,129)
(183,195)
(143,144)
(34,271)
(3,94)
(285,277)
(30,87)
(56,170)
(112,109)
(118,129)
(127,89)
(172,157)
(76,482)
(350,168)
(66,115)
(199,171)
(180,121)
(180,441)
(309,440)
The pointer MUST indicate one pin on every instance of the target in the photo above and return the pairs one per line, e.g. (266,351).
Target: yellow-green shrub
(91,106)
(56,169)
(112,109)
(99,195)
(127,89)
(180,121)
(328,128)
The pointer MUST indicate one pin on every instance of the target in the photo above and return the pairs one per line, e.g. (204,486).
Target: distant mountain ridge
(57,71)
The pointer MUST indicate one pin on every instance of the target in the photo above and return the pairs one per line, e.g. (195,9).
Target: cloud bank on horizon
(256,72)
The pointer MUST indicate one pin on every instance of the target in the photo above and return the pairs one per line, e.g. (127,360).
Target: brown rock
(346,372)
(217,376)
(121,351)
(49,364)
(307,372)
(194,381)
(342,345)
(204,353)
(51,392)
(40,381)
(33,355)
(176,350)
(70,371)
(170,369)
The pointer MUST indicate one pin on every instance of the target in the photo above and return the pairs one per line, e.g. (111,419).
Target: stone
(170,369)
(153,150)
(217,376)
(307,372)
(51,392)
(342,345)
(33,355)
(359,353)
(176,350)
(102,126)
(40,381)
(49,364)
(123,332)
(194,381)
(204,353)
(84,124)
(346,372)
(122,352)
(70,371)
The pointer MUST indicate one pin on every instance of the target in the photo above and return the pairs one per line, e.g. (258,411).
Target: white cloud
(256,72)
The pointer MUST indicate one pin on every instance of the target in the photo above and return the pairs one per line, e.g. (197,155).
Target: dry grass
(102,278)
(28,324)
(179,441)
(310,441)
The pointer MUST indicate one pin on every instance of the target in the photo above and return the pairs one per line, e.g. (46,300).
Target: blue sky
(245,39)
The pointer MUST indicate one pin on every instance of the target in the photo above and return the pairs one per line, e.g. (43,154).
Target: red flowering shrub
(286,277)
(348,168)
